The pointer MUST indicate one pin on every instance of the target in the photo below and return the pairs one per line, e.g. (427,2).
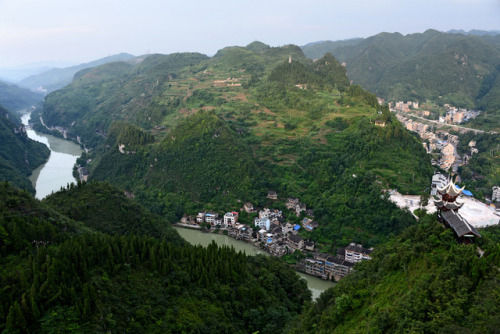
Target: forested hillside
(19,155)
(57,274)
(15,98)
(106,209)
(216,131)
(462,70)
(423,281)
(56,78)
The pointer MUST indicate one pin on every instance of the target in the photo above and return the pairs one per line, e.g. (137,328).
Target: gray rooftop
(459,224)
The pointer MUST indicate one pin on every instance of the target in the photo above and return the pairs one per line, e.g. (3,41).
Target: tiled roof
(459,224)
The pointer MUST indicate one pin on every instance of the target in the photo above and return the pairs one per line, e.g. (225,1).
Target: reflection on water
(195,237)
(57,172)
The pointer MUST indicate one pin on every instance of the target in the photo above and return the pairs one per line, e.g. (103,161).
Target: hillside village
(270,232)
(441,142)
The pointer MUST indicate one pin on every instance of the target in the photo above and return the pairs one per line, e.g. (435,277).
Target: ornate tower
(449,195)
(448,207)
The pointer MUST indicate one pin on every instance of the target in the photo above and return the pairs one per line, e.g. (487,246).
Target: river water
(57,172)
(195,237)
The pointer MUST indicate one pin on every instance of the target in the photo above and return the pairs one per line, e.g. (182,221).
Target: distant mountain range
(475,32)
(458,68)
(15,98)
(56,78)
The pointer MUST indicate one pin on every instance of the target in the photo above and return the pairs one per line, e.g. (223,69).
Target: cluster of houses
(271,233)
(443,142)
(330,267)
(403,106)
(457,115)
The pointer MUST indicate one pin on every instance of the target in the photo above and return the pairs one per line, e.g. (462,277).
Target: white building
(230,219)
(438,180)
(355,253)
(210,217)
(263,223)
(495,196)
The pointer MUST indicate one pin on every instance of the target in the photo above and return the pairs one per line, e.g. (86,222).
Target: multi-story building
(355,253)
(210,217)
(337,267)
(438,180)
(263,223)
(230,219)
(495,196)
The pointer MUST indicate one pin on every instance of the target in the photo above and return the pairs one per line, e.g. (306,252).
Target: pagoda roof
(459,224)
(448,205)
(450,189)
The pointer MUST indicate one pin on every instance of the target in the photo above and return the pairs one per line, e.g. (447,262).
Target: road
(458,128)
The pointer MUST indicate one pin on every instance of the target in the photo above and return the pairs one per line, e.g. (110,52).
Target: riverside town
(270,232)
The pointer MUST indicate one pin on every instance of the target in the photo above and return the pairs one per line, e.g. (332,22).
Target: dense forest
(421,282)
(19,155)
(58,274)
(185,132)
(170,135)
(15,98)
(57,78)
(455,68)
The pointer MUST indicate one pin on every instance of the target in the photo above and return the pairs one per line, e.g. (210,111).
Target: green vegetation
(423,281)
(229,128)
(483,170)
(104,208)
(58,275)
(15,98)
(57,78)
(19,155)
(441,67)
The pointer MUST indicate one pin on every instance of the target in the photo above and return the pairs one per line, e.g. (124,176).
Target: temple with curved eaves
(448,206)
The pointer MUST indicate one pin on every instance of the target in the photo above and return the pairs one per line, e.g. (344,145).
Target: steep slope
(56,275)
(317,50)
(108,210)
(19,155)
(116,91)
(56,78)
(15,98)
(423,281)
(446,68)
(231,127)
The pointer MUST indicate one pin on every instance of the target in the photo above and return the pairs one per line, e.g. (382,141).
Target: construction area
(476,213)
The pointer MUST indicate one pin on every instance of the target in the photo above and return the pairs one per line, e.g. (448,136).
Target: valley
(297,155)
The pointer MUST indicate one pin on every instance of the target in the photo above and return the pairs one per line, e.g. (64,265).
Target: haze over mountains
(185,133)
(459,69)
(56,78)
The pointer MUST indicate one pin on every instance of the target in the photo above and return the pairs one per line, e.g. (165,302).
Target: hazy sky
(81,31)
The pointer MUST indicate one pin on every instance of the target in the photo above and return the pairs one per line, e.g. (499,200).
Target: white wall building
(263,223)
(230,219)
(438,180)
(495,196)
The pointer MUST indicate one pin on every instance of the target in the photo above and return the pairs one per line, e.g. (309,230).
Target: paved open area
(477,214)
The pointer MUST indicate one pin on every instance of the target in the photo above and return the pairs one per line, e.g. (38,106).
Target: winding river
(57,172)
(194,237)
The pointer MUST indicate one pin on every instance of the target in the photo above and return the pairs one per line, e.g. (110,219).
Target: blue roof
(465,192)
(269,240)
(296,227)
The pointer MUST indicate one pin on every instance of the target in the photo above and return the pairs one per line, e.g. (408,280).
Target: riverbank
(195,237)
(57,172)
